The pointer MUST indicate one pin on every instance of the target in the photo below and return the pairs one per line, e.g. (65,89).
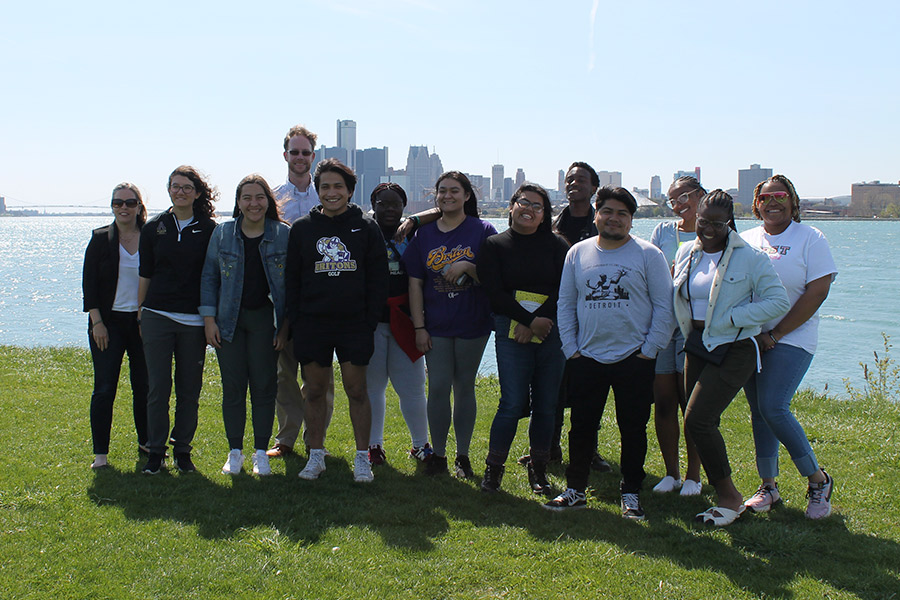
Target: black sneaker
(493,475)
(436,465)
(599,464)
(184,463)
(462,467)
(537,477)
(569,500)
(631,507)
(154,464)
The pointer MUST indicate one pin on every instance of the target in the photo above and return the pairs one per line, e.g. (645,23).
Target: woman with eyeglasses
(110,286)
(173,249)
(725,289)
(668,385)
(803,261)
(520,270)
(396,357)
(451,315)
(242,302)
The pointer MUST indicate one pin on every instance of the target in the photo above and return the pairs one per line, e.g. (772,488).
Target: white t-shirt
(127,284)
(800,254)
(700,284)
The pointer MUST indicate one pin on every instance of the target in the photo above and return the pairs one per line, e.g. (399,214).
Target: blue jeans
(526,371)
(769,394)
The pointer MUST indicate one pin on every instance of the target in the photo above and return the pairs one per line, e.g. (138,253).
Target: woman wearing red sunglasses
(803,261)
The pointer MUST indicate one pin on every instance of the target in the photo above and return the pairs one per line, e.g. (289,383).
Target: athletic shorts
(315,345)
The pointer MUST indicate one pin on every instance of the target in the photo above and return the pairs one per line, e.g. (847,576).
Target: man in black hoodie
(336,285)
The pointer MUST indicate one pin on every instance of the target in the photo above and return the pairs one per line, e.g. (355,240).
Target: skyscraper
(610,178)
(423,169)
(655,188)
(561,182)
(747,181)
(371,166)
(520,177)
(497,183)
(346,139)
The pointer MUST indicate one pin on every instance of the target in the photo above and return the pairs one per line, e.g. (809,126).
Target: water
(40,289)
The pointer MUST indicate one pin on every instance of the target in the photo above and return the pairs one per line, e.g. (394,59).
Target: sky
(96,93)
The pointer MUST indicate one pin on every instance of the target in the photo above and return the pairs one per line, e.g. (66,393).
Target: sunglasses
(299,152)
(781,197)
(130,203)
(716,225)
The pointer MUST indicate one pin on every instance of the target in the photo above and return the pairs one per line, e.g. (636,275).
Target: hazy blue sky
(95,93)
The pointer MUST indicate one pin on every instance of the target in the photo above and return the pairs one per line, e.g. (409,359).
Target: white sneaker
(667,484)
(261,463)
(691,488)
(234,464)
(314,466)
(362,468)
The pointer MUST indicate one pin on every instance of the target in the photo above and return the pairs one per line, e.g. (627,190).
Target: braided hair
(691,182)
(721,199)
(384,187)
(792,193)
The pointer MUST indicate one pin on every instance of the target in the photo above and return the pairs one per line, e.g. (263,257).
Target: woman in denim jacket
(242,304)
(725,290)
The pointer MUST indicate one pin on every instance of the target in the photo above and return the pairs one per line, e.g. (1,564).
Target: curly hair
(547,221)
(792,193)
(203,205)
(273,212)
(141,216)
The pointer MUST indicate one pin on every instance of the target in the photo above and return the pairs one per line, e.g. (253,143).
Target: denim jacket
(222,282)
(746,292)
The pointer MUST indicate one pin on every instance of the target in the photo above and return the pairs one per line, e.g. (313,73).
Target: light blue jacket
(222,281)
(746,292)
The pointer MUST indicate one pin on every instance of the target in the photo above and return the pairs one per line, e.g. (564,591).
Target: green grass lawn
(66,532)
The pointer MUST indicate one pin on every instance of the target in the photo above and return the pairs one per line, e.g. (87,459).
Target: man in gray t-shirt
(614,315)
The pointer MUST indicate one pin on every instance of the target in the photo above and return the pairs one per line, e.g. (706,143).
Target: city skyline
(114,92)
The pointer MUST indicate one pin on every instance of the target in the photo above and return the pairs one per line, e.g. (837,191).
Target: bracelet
(100,322)
(772,335)
(417,328)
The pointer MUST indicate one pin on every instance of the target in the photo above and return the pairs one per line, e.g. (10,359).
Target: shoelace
(631,501)
(765,490)
(816,494)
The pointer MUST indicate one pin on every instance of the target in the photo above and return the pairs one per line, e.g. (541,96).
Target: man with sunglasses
(296,197)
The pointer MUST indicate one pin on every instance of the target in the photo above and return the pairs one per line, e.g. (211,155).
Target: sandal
(719,516)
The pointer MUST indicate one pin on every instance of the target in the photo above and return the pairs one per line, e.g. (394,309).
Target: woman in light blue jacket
(242,301)
(725,290)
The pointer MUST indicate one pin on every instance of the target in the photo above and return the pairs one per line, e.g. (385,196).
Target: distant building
(872,198)
(748,179)
(482,187)
(610,178)
(561,182)
(655,188)
(508,189)
(520,177)
(497,183)
(326,152)
(2,204)
(695,174)
(423,169)
(371,166)
(346,139)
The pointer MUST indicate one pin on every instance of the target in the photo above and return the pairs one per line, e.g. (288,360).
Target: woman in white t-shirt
(803,261)
(110,286)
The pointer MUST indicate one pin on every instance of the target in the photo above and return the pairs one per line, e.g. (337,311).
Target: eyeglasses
(682,199)
(717,225)
(119,203)
(187,189)
(535,206)
(299,152)
(781,197)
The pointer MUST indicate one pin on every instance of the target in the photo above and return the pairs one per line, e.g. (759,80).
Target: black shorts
(355,346)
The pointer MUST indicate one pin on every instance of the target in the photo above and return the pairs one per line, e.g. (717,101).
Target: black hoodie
(336,275)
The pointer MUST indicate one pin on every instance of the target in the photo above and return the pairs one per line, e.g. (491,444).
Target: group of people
(577,306)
